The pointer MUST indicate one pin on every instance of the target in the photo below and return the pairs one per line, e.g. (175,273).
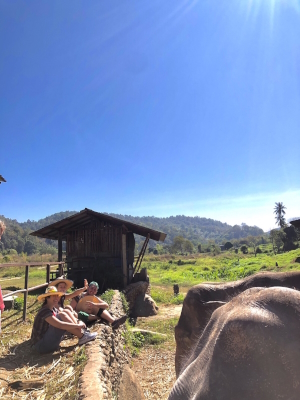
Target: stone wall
(107,359)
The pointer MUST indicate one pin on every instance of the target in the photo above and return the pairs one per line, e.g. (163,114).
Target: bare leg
(92,317)
(106,315)
(75,331)
(71,316)
(68,307)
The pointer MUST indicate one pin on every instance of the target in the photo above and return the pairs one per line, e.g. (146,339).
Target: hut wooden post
(59,246)
(124,260)
(48,274)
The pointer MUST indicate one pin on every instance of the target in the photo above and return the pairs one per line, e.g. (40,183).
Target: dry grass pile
(155,371)
(25,374)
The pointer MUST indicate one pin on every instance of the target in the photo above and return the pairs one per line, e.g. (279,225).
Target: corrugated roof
(296,223)
(84,217)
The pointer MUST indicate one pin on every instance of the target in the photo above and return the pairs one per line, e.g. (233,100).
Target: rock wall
(107,359)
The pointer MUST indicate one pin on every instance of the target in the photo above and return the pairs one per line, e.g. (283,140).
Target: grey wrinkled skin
(249,350)
(202,300)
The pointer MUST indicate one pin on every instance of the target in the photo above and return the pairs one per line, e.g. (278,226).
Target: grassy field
(228,266)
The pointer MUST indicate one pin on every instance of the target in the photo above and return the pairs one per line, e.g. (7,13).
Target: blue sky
(150,108)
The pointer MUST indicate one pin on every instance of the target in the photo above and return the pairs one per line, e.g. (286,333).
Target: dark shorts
(83,316)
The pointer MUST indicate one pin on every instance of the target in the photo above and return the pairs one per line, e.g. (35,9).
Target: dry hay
(22,372)
(155,371)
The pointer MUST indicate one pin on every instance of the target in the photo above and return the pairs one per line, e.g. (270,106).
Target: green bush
(18,303)
(80,356)
(138,339)
(124,303)
(177,299)
(108,296)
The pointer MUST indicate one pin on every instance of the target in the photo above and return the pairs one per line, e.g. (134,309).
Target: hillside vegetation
(195,229)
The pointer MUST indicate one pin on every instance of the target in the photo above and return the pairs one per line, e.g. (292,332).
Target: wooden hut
(99,247)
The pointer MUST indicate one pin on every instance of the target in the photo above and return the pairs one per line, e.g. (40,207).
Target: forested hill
(196,229)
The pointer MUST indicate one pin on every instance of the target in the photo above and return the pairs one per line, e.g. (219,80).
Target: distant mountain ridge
(196,229)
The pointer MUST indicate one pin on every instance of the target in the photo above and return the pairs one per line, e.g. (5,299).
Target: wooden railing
(26,289)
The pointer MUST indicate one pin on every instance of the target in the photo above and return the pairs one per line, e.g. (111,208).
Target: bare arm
(77,292)
(102,304)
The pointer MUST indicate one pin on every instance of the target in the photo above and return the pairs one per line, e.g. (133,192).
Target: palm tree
(279,210)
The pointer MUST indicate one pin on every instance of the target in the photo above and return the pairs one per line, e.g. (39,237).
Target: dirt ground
(155,366)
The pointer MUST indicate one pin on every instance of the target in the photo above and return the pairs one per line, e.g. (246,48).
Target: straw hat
(82,306)
(61,279)
(50,291)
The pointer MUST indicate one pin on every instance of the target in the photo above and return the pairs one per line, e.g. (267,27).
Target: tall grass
(223,267)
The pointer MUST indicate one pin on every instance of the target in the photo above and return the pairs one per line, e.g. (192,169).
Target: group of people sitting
(55,318)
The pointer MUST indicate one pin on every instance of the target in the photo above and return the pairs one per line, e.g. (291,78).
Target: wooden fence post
(48,273)
(25,293)
(61,269)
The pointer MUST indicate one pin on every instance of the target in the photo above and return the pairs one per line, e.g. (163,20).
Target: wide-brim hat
(61,279)
(50,291)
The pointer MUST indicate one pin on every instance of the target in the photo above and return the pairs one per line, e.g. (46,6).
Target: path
(155,365)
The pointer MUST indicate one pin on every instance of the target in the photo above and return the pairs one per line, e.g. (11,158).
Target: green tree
(290,238)
(244,249)
(277,239)
(178,244)
(188,246)
(30,247)
(199,248)
(254,241)
(228,245)
(279,211)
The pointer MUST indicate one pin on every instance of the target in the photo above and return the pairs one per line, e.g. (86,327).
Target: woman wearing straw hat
(62,285)
(50,325)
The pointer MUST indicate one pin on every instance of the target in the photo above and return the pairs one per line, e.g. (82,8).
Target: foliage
(181,245)
(108,296)
(163,296)
(277,238)
(226,266)
(228,245)
(244,249)
(138,339)
(124,303)
(192,229)
(279,211)
(80,356)
(19,303)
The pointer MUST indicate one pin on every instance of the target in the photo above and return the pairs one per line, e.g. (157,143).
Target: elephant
(249,349)
(203,299)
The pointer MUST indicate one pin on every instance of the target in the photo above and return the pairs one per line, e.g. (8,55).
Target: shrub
(80,356)
(244,249)
(124,303)
(18,303)
(258,250)
(108,295)
(177,299)
(138,339)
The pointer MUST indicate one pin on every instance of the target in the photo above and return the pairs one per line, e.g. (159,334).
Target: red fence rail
(26,289)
